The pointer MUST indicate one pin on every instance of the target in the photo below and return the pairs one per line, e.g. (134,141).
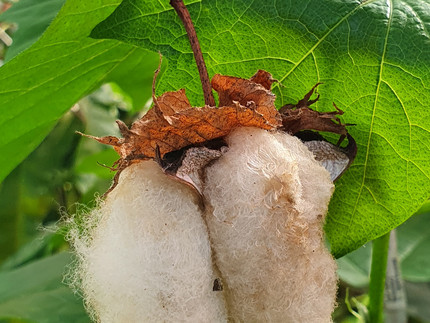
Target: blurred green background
(65,174)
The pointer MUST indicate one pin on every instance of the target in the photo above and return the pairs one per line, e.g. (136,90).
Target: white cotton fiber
(266,199)
(144,254)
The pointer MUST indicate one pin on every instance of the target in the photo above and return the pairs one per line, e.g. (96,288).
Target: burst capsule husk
(144,253)
(266,200)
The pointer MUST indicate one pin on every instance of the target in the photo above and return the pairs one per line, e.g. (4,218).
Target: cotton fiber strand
(267,198)
(144,254)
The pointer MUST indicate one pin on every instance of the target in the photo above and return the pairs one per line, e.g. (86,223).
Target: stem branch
(377,278)
(183,13)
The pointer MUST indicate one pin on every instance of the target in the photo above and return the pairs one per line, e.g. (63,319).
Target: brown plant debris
(298,117)
(173,125)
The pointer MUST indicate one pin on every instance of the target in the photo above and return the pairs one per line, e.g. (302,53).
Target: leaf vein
(381,67)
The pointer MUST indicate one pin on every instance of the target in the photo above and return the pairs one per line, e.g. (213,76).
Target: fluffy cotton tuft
(266,202)
(144,254)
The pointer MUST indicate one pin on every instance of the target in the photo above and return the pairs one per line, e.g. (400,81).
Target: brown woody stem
(183,13)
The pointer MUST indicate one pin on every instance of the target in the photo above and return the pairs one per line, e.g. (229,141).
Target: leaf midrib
(381,68)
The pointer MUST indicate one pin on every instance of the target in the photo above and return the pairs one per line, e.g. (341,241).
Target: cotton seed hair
(267,198)
(144,253)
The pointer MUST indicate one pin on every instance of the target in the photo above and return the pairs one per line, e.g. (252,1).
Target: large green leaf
(36,293)
(372,56)
(42,12)
(40,84)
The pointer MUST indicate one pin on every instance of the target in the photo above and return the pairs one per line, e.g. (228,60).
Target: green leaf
(45,243)
(354,268)
(10,215)
(414,246)
(42,12)
(372,57)
(99,121)
(43,82)
(135,76)
(418,296)
(36,293)
(34,191)
(91,163)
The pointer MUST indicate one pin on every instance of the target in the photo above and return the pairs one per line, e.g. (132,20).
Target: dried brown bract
(173,125)
(298,117)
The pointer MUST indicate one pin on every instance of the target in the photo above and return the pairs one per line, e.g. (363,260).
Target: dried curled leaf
(297,117)
(254,93)
(172,126)
(173,123)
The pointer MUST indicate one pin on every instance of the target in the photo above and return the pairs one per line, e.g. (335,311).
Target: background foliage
(372,56)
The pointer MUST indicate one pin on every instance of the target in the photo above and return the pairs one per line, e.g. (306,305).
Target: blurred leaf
(372,57)
(354,268)
(44,81)
(48,167)
(418,300)
(135,76)
(32,17)
(46,243)
(111,95)
(91,163)
(414,248)
(125,101)
(99,115)
(35,292)
(34,191)
(10,214)
(91,188)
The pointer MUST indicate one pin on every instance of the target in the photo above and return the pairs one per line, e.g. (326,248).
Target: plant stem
(183,13)
(377,278)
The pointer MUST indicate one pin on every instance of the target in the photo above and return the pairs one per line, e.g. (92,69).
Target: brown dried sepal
(264,78)
(298,117)
(254,94)
(173,123)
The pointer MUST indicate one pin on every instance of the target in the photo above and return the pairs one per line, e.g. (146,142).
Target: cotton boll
(144,254)
(266,202)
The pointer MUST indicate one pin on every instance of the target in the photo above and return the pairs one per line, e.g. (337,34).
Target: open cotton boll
(144,254)
(267,199)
